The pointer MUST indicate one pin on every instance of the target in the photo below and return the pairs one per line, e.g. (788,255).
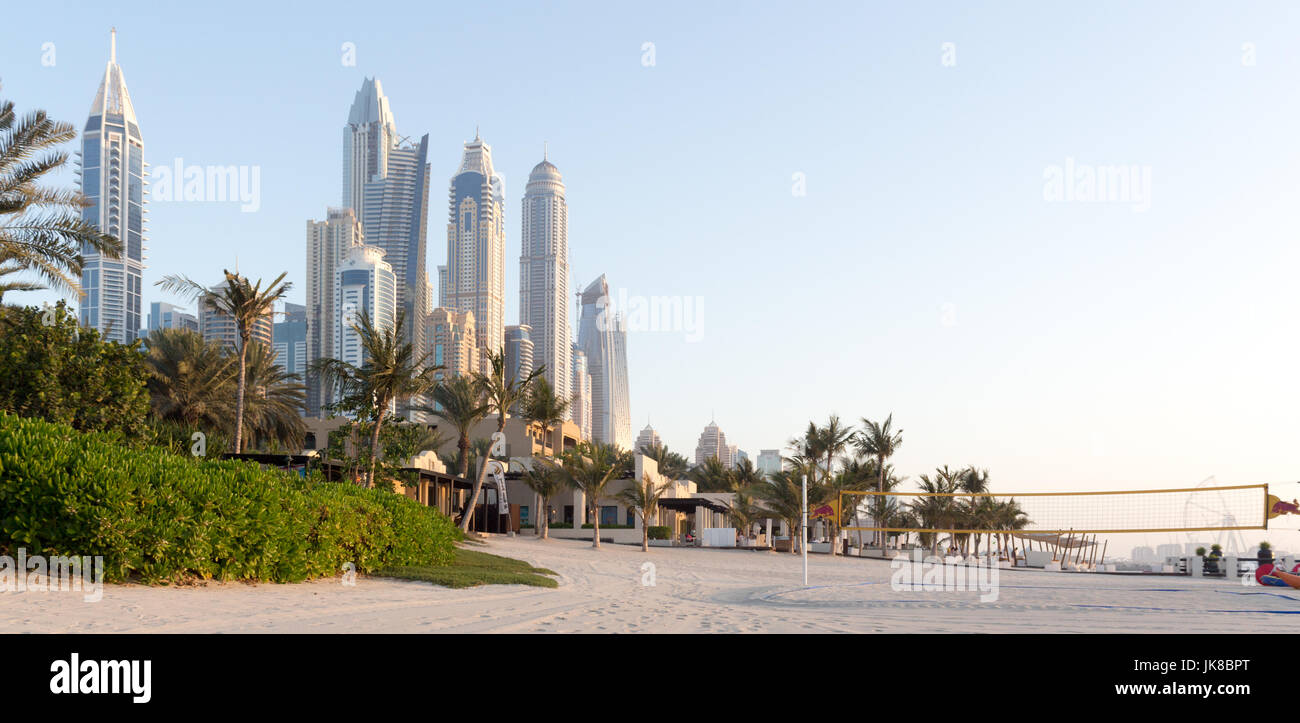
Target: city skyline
(1075,390)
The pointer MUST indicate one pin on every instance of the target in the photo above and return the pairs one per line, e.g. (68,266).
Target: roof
(688,504)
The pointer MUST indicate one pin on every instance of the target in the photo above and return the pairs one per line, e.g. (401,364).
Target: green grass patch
(470,568)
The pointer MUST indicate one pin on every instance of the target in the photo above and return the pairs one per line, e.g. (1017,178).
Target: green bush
(659,532)
(162,517)
(54,370)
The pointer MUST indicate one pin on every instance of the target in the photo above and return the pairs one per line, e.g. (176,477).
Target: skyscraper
(580,393)
(474,277)
(544,275)
(603,339)
(452,342)
(368,137)
(169,316)
(112,179)
(647,438)
(364,283)
(289,338)
(520,352)
(713,443)
(328,242)
(396,219)
(769,461)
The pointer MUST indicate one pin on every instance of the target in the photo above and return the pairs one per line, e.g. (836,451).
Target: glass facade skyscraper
(112,179)
(544,275)
(603,338)
(474,277)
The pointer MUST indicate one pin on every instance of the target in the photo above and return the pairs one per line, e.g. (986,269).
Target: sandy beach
(694,590)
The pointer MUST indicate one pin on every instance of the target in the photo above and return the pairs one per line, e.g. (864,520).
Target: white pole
(803,531)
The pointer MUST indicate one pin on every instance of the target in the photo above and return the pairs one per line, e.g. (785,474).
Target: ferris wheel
(1208,508)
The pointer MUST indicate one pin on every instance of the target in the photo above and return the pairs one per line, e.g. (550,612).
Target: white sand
(696,590)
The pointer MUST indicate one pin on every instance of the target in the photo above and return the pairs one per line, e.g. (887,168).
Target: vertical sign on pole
(803,531)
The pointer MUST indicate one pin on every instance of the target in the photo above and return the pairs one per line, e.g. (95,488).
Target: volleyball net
(1241,507)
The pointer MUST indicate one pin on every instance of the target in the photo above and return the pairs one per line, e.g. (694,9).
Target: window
(568,514)
(609,515)
(523,515)
(631,516)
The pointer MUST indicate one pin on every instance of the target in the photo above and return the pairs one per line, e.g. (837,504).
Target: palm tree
(274,403)
(783,498)
(975,482)
(502,392)
(881,442)
(9,265)
(189,379)
(671,465)
(460,402)
(545,479)
(41,228)
(543,408)
(744,513)
(711,476)
(390,374)
(589,467)
(246,304)
(832,439)
(644,498)
(937,510)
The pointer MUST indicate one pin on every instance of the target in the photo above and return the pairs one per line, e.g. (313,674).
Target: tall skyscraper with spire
(386,184)
(544,275)
(370,133)
(603,338)
(112,178)
(474,277)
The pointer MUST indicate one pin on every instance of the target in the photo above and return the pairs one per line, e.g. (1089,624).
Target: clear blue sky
(1086,345)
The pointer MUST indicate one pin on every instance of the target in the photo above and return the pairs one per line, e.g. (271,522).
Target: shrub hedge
(161,517)
(659,532)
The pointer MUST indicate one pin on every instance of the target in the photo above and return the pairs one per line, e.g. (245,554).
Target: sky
(857,196)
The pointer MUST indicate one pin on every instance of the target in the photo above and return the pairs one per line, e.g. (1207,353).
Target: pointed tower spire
(545,151)
(112,45)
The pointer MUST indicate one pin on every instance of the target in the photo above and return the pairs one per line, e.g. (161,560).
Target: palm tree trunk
(478,482)
(374,446)
(239,396)
(546,517)
(595,525)
(462,464)
(645,533)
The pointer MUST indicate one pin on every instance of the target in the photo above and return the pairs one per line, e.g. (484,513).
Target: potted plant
(1265,555)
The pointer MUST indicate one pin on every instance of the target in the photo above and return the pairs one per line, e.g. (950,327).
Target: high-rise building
(580,393)
(452,342)
(396,219)
(603,337)
(473,278)
(328,243)
(520,352)
(544,274)
(169,316)
(769,461)
(368,137)
(713,443)
(364,283)
(289,337)
(217,326)
(112,170)
(739,455)
(647,438)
